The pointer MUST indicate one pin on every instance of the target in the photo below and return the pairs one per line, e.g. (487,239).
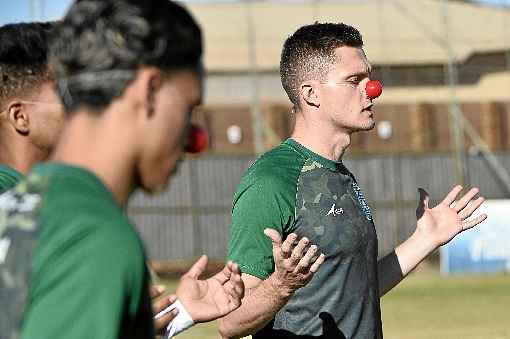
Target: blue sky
(19,10)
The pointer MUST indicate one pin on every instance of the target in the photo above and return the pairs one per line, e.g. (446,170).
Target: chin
(370,126)
(155,183)
(155,188)
(363,127)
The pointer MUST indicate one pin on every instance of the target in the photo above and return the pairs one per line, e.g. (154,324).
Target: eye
(354,80)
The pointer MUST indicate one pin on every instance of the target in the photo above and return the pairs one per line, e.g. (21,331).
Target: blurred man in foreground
(129,74)
(33,116)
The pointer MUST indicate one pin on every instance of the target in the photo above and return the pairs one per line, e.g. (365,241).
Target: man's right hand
(294,268)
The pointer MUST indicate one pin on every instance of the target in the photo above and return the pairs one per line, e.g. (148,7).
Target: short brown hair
(309,53)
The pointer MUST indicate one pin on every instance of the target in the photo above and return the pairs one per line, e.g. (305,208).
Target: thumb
(276,240)
(423,202)
(424,197)
(198,267)
(275,237)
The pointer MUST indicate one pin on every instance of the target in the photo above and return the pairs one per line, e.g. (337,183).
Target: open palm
(450,217)
(209,299)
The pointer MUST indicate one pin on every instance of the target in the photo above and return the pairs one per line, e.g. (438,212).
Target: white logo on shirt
(335,211)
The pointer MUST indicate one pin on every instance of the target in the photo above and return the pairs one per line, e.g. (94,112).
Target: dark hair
(309,53)
(100,44)
(23,57)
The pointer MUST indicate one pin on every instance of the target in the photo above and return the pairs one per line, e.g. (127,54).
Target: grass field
(427,305)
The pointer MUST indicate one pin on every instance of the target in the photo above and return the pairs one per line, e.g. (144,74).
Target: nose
(373,89)
(198,140)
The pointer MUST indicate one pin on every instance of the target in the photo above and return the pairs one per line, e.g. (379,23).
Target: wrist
(278,288)
(412,251)
(425,241)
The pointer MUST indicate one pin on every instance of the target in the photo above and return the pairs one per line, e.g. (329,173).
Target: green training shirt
(71,263)
(9,177)
(292,189)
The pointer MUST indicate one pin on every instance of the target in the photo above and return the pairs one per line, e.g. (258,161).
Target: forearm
(397,265)
(258,308)
(389,273)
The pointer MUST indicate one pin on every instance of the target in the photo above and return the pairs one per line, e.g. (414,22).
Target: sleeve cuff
(180,323)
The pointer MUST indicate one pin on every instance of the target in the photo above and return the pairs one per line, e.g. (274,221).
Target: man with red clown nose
(302,187)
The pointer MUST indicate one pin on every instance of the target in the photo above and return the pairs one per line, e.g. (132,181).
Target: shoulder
(274,171)
(85,226)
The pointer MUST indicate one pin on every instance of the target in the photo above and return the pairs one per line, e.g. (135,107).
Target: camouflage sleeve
(7,182)
(262,204)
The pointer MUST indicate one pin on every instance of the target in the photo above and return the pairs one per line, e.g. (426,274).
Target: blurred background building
(410,44)
(443,118)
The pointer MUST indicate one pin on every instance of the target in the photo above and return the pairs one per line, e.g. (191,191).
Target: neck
(321,138)
(98,145)
(19,153)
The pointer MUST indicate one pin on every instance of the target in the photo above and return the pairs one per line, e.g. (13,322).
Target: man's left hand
(210,299)
(443,222)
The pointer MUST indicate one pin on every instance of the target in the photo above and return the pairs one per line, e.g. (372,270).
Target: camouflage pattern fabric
(328,207)
(18,238)
(9,177)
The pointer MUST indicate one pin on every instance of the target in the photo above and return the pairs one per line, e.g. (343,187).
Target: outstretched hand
(450,217)
(209,299)
(294,267)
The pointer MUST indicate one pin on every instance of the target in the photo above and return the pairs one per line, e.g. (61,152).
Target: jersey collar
(335,166)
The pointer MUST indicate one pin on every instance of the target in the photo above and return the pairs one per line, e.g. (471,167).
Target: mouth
(368,109)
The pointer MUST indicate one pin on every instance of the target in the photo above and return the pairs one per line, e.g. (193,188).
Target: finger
(198,267)
(450,198)
(223,276)
(424,199)
(156,290)
(234,296)
(239,289)
(315,266)
(471,208)
(297,253)
(238,284)
(472,223)
(276,241)
(274,236)
(464,201)
(288,244)
(305,262)
(234,268)
(162,304)
(161,322)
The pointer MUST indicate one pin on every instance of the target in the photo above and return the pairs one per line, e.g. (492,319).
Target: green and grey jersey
(9,177)
(71,264)
(292,189)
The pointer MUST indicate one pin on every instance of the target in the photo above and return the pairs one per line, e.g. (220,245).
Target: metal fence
(193,216)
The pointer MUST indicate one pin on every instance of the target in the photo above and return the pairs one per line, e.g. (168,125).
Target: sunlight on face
(175,101)
(343,98)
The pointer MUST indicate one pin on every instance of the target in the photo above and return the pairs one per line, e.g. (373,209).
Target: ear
(144,88)
(154,84)
(18,116)
(308,92)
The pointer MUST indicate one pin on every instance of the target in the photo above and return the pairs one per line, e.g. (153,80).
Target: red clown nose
(373,89)
(198,140)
